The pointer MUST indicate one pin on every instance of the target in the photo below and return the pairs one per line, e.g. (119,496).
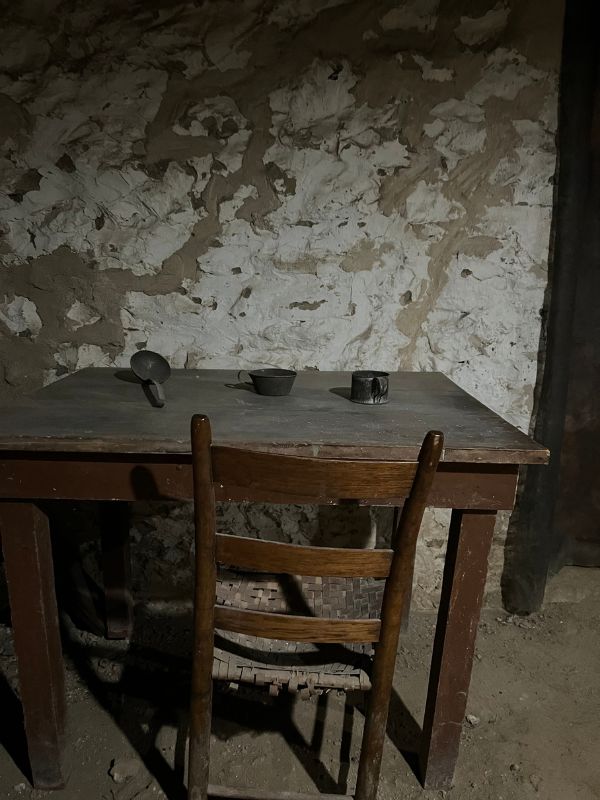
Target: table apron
(469,486)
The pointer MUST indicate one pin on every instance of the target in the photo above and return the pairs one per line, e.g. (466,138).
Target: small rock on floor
(122,769)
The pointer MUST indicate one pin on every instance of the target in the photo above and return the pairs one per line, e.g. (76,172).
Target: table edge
(536,454)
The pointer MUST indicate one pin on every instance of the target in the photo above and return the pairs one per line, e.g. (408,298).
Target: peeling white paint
(226,124)
(229,208)
(420,15)
(315,102)
(505,74)
(20,316)
(426,204)
(97,202)
(223,44)
(431,73)
(219,110)
(74,358)
(458,109)
(81,315)
(290,13)
(474,31)
(124,218)
(458,130)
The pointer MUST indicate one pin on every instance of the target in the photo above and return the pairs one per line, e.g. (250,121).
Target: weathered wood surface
(319,478)
(256,555)
(104,410)
(463,586)
(296,628)
(94,476)
(25,538)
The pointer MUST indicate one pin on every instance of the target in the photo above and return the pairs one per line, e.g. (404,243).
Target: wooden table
(95,436)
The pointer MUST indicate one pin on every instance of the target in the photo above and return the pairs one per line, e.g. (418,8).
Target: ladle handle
(160,392)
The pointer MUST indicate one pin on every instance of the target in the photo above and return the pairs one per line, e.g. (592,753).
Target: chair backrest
(321,480)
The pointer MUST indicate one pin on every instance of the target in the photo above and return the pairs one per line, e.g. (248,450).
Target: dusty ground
(533,732)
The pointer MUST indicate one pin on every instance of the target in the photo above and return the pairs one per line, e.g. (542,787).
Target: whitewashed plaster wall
(298,183)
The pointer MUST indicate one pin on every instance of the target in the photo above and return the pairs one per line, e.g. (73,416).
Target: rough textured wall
(279,182)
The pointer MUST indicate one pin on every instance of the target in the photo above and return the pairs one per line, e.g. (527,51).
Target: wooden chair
(226,604)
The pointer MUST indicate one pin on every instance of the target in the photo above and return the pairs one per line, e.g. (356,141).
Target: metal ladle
(151,368)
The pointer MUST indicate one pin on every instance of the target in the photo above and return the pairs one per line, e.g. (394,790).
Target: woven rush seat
(296,666)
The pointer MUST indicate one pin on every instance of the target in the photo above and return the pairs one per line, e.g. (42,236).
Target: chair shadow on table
(153,691)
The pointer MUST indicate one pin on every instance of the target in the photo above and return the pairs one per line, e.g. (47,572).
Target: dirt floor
(531,729)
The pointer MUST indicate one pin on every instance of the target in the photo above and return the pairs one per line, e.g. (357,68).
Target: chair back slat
(296,628)
(258,555)
(322,479)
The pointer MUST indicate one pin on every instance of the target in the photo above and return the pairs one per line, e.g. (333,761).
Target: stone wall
(299,183)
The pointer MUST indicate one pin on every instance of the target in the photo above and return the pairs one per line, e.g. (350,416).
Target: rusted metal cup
(370,387)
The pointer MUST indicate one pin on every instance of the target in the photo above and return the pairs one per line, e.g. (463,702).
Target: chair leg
(371,749)
(378,703)
(382,678)
(204,610)
(346,743)
(200,719)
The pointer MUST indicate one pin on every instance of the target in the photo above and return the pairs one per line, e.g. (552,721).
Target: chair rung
(229,793)
(297,628)
(259,555)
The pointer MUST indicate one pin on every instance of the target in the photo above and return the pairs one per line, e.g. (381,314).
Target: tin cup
(274,382)
(370,387)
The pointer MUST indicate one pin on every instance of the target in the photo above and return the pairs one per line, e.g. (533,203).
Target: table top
(106,411)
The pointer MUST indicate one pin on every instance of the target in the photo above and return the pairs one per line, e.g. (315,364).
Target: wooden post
(535,542)
(30,577)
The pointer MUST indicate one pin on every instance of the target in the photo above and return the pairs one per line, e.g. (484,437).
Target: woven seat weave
(295,666)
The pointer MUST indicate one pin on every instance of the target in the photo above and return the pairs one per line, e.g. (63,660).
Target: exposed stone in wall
(264,182)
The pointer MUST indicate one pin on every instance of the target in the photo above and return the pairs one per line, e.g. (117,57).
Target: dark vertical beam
(577,515)
(534,543)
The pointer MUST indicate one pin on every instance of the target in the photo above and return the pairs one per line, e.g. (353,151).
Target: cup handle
(241,373)
(379,388)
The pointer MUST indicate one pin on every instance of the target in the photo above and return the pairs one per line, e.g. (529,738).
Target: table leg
(465,571)
(116,568)
(30,578)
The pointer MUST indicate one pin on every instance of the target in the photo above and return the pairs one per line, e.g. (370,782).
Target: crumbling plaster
(321,185)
